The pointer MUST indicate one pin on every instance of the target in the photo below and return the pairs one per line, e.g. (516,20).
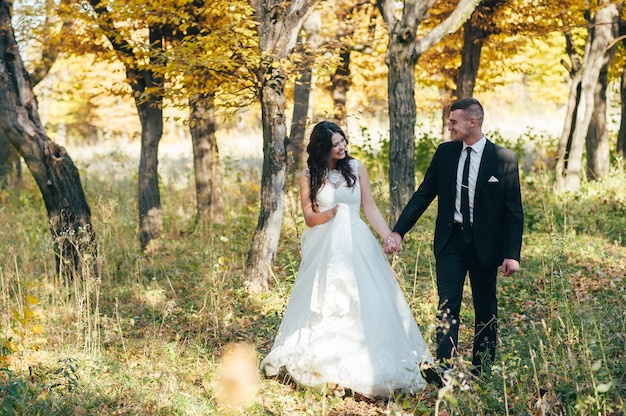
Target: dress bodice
(328,196)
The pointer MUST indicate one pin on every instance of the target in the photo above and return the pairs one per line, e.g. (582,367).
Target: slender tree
(621,136)
(404,49)
(210,44)
(278,26)
(308,45)
(52,168)
(602,32)
(147,86)
(597,140)
(476,30)
(356,31)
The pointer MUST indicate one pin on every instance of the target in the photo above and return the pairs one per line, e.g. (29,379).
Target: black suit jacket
(498,214)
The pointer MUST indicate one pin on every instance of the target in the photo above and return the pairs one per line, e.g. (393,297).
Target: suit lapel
(454,157)
(485,163)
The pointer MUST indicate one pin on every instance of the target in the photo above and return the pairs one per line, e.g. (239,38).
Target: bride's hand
(393,244)
(333,211)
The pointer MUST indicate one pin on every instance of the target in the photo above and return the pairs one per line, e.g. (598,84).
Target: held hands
(393,243)
(509,266)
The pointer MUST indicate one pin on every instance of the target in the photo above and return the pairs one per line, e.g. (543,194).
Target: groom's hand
(393,243)
(509,266)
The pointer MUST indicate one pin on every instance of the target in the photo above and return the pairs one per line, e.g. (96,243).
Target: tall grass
(148,337)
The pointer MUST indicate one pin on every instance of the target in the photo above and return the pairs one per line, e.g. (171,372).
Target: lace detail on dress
(335,178)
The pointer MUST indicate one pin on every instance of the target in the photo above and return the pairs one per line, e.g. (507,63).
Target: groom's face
(460,125)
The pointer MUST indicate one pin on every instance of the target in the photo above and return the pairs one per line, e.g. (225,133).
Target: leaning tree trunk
(597,143)
(206,160)
(600,37)
(9,158)
(52,168)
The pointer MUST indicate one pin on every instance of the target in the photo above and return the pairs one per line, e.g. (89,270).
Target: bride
(347,326)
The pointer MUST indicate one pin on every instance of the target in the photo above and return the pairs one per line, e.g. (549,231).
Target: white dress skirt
(347,322)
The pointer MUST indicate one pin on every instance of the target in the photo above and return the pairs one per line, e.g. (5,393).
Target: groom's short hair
(472,106)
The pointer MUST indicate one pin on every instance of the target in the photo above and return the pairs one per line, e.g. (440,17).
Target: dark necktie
(465,211)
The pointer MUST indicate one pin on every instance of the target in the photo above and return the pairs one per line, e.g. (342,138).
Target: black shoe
(432,373)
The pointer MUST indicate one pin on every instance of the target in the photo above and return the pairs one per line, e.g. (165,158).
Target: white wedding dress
(347,321)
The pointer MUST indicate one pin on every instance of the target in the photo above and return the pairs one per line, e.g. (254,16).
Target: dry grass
(172,332)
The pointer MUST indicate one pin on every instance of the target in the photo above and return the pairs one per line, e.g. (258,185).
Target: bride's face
(338,148)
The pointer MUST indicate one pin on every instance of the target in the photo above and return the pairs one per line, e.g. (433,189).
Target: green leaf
(604,387)
(596,366)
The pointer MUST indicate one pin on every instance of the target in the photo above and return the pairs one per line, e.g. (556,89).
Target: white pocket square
(493,179)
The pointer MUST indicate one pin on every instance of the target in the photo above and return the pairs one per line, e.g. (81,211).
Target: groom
(478,229)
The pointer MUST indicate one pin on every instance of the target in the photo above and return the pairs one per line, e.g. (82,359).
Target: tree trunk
(302,94)
(206,160)
(473,40)
(569,126)
(402,117)
(600,36)
(9,158)
(5,167)
(621,137)
(476,30)
(150,214)
(52,168)
(403,52)
(279,24)
(301,97)
(447,98)
(597,143)
(150,109)
(341,82)
(265,241)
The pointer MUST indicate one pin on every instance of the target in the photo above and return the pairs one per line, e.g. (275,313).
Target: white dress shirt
(477,154)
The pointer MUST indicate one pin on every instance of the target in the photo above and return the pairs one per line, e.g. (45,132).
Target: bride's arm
(311,217)
(372,213)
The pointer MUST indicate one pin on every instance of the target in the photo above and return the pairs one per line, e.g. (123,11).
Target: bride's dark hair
(319,148)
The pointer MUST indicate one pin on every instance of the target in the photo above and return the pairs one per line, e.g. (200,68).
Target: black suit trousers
(453,263)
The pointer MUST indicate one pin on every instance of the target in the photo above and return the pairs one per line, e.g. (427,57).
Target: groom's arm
(421,199)
(514,212)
